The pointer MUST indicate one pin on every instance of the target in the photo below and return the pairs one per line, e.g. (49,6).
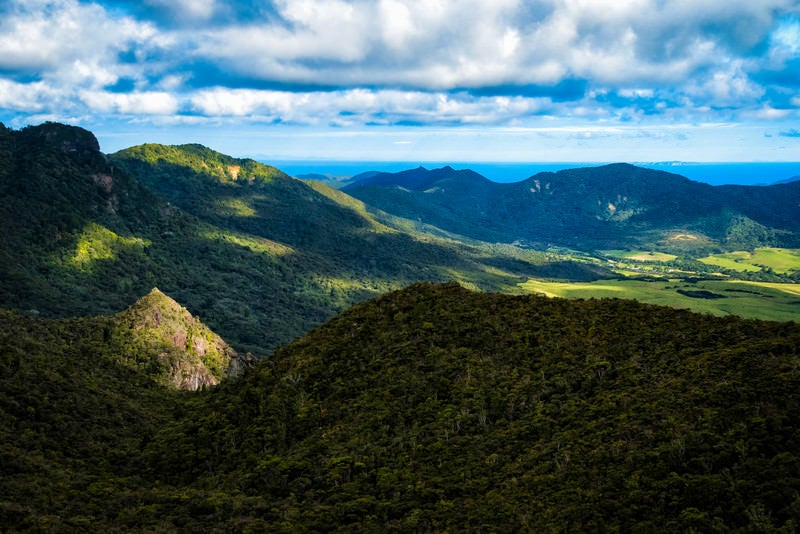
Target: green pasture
(757,300)
(641,255)
(780,260)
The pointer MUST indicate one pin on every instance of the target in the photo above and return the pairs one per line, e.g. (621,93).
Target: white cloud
(444,44)
(397,24)
(768,113)
(727,86)
(146,103)
(636,93)
(415,61)
(320,29)
(363,106)
(31,97)
(44,36)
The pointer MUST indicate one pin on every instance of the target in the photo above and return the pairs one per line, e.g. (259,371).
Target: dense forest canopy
(433,408)
(381,402)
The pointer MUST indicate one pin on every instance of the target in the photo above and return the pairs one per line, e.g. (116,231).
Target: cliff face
(187,354)
(72,140)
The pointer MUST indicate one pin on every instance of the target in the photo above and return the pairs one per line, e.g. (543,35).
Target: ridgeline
(433,409)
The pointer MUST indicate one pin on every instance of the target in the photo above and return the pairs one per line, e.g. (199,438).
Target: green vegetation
(596,208)
(203,164)
(761,300)
(779,260)
(190,354)
(428,409)
(669,280)
(261,257)
(641,255)
(96,243)
(731,261)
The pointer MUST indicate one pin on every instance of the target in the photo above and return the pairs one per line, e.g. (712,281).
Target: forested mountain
(260,256)
(432,408)
(80,397)
(610,206)
(429,409)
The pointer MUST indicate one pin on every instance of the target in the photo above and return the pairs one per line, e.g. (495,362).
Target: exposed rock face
(239,363)
(72,140)
(188,354)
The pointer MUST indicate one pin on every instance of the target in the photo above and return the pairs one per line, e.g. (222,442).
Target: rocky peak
(188,354)
(73,140)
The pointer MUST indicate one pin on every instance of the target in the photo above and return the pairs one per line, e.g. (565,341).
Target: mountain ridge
(262,256)
(594,207)
(437,407)
(430,408)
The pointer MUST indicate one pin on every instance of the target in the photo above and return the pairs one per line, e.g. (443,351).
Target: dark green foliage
(590,208)
(75,413)
(429,409)
(439,409)
(700,294)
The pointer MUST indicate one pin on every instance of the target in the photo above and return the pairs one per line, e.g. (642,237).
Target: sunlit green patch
(641,255)
(97,243)
(733,261)
(780,260)
(253,243)
(758,300)
(235,207)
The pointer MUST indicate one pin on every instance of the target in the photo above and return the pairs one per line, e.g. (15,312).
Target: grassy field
(780,260)
(759,300)
(640,255)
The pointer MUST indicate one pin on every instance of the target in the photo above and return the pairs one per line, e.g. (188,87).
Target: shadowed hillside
(428,409)
(80,398)
(591,208)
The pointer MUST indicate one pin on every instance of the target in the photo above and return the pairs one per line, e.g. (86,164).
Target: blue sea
(711,173)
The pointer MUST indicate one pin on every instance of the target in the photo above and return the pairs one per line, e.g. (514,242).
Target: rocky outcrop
(182,351)
(77,142)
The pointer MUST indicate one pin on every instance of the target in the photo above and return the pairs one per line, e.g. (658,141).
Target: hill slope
(428,409)
(435,408)
(80,398)
(190,355)
(261,256)
(601,207)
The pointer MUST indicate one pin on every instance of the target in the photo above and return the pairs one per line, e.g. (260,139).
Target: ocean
(763,173)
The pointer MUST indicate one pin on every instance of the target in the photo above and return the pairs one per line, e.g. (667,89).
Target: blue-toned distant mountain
(589,208)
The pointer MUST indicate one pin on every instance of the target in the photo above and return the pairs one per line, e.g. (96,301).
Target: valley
(759,285)
(195,342)
(263,257)
(758,300)
(399,266)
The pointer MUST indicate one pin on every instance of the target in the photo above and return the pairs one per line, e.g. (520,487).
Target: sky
(414,80)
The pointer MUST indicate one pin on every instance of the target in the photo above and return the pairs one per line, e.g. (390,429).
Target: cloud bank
(344,63)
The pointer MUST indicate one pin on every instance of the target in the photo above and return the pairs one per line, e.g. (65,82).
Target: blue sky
(416,80)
